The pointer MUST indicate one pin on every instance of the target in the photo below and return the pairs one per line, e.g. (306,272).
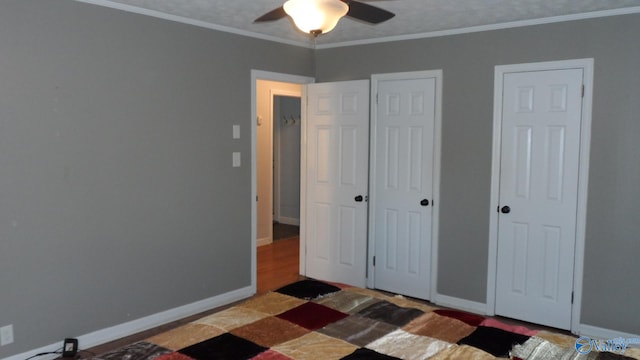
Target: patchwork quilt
(316,320)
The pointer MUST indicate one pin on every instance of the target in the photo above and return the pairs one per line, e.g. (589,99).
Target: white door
(337,156)
(402,188)
(538,192)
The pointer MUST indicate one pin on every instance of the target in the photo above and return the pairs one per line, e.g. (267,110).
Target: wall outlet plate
(6,335)
(69,348)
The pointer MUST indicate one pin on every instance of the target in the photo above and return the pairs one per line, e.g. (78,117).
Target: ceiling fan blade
(275,14)
(368,13)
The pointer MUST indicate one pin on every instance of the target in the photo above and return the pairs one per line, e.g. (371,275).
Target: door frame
(270,76)
(437,132)
(583,175)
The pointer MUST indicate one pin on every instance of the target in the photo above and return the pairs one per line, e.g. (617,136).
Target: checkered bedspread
(317,320)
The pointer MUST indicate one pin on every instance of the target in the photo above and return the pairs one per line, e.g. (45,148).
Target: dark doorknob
(424,202)
(359,198)
(505,210)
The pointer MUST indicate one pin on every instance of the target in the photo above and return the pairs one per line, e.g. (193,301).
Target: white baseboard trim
(264,241)
(595,332)
(288,221)
(460,304)
(149,322)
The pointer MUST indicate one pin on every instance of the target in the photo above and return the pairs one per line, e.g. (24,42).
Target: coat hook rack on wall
(291,120)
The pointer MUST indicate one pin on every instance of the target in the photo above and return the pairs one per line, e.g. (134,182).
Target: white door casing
(336,179)
(539,192)
(402,181)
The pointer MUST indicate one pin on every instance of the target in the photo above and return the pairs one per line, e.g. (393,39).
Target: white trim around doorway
(271,76)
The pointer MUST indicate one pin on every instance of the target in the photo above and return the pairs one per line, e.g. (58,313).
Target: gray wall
(611,286)
(117,195)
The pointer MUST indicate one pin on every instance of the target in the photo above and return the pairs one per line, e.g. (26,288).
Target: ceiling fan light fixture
(316,16)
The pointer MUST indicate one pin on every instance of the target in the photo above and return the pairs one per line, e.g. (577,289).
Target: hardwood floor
(278,265)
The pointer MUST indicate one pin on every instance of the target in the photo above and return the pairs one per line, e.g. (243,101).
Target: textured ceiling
(412,16)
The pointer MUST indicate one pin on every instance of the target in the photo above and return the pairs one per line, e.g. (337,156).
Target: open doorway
(276,139)
(277,157)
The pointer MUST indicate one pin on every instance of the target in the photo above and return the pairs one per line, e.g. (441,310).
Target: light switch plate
(236,131)
(236,159)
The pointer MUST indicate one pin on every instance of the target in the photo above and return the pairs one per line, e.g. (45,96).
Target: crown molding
(199,23)
(309,45)
(473,29)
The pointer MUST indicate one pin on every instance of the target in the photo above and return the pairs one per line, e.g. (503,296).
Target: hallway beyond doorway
(284,231)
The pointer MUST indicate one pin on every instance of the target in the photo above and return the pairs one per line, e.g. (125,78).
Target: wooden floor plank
(278,264)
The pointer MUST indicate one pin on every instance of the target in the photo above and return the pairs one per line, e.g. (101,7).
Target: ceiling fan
(317,17)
